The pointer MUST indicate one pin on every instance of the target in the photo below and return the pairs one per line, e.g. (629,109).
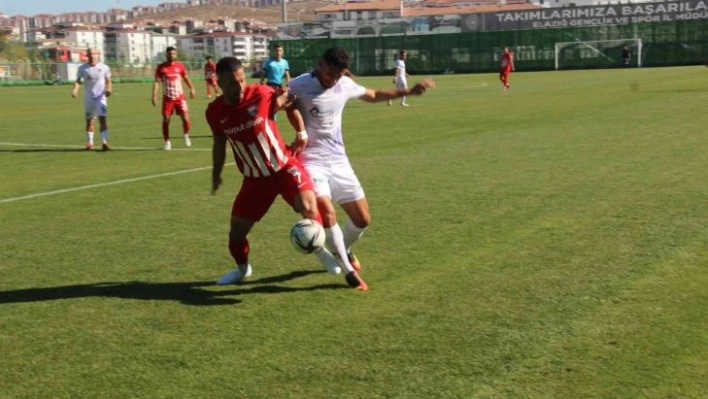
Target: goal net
(597,54)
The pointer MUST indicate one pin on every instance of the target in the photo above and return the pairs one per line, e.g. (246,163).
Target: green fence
(664,44)
(33,73)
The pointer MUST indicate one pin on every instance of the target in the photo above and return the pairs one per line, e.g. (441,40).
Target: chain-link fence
(664,44)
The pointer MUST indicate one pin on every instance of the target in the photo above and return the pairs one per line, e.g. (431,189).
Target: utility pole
(285,10)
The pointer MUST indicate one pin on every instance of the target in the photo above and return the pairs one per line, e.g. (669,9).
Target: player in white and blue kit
(316,114)
(98,87)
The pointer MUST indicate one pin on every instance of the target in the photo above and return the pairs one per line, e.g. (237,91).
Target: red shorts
(505,71)
(177,106)
(257,194)
(211,81)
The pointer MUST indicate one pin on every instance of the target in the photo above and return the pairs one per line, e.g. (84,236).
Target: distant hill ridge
(302,11)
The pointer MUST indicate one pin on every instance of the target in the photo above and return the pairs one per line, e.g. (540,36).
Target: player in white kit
(98,87)
(316,115)
(401,77)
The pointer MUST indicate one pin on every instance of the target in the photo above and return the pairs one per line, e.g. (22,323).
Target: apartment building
(244,46)
(136,47)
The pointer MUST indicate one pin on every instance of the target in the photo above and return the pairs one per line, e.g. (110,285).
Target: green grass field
(546,242)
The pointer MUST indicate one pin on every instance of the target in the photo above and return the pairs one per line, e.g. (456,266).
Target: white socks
(89,137)
(328,260)
(335,239)
(104,136)
(351,233)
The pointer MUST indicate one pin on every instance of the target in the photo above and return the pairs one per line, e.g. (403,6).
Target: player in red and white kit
(171,73)
(242,116)
(210,76)
(507,65)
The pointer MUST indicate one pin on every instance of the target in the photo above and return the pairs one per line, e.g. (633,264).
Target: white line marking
(68,190)
(113,148)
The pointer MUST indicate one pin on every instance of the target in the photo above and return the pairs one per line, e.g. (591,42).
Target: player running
(242,116)
(320,97)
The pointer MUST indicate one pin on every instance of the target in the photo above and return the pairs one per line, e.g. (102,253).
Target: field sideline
(545,242)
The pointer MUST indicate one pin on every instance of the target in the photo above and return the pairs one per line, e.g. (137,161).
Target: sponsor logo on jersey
(315,112)
(252,110)
(240,128)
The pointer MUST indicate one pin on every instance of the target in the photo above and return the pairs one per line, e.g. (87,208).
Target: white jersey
(94,79)
(401,72)
(322,111)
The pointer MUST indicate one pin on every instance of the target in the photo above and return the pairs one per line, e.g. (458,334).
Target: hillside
(303,11)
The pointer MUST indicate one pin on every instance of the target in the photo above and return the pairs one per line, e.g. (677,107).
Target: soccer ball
(307,236)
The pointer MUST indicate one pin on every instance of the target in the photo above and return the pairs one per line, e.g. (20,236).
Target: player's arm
(189,84)
(75,89)
(287,76)
(511,61)
(155,88)
(264,73)
(374,96)
(218,157)
(109,86)
(298,124)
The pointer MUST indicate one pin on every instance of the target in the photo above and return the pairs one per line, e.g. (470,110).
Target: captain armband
(301,135)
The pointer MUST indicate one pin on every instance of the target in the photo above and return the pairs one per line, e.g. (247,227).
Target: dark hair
(336,57)
(167,50)
(208,57)
(277,46)
(228,64)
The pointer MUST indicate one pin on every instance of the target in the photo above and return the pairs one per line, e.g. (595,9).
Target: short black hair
(336,57)
(277,46)
(208,57)
(228,64)
(167,50)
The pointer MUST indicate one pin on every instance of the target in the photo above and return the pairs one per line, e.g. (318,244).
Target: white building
(85,38)
(136,47)
(244,46)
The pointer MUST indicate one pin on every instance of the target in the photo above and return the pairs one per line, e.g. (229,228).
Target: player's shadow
(190,136)
(678,90)
(46,150)
(188,293)
(97,151)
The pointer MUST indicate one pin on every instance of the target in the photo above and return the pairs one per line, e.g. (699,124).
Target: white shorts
(401,84)
(95,107)
(335,179)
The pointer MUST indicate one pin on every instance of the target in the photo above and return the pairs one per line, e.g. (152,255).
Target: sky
(33,7)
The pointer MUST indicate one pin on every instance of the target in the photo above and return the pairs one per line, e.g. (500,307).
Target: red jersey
(171,75)
(506,60)
(255,140)
(209,70)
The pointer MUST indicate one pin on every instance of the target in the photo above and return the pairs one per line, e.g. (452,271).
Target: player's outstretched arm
(385,95)
(422,86)
(218,157)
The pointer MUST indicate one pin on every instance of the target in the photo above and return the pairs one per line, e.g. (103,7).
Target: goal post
(596,53)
